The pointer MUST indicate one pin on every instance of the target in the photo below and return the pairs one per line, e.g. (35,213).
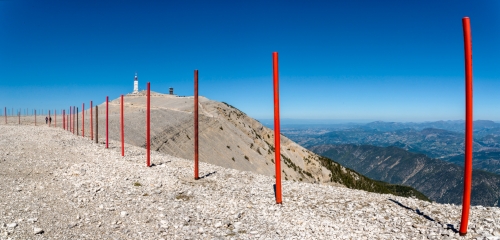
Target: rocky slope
(55,185)
(228,138)
(439,180)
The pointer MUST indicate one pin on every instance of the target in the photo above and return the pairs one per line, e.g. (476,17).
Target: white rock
(38,230)
(12,225)
(123,214)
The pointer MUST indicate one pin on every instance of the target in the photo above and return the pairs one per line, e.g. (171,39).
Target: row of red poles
(70,126)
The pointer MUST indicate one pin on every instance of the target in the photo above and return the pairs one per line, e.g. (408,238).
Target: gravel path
(54,185)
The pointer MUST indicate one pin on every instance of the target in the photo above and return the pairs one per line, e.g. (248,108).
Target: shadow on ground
(418,212)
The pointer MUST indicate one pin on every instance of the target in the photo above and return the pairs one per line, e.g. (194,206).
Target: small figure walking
(46,120)
(50,120)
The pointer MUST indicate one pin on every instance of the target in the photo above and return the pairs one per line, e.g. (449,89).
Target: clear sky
(339,60)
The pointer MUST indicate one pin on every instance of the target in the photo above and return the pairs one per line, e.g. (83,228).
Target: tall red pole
(74,115)
(107,120)
(83,119)
(121,125)
(468,127)
(67,120)
(196,177)
(97,124)
(148,117)
(91,123)
(277,152)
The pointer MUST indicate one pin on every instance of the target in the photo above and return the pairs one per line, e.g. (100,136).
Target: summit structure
(136,85)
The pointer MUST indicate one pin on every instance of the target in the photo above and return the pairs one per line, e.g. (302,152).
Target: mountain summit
(231,139)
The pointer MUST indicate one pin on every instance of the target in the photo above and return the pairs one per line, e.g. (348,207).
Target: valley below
(427,156)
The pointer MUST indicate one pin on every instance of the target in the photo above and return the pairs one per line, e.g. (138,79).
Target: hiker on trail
(46,120)
(50,120)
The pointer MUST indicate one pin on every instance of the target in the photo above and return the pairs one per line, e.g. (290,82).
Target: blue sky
(339,60)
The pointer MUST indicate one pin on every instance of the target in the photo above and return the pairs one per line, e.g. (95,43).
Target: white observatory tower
(136,85)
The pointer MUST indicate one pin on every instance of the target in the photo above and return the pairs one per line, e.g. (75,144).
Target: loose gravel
(55,185)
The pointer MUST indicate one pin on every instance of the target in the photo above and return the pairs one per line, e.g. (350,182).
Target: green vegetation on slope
(354,180)
(439,180)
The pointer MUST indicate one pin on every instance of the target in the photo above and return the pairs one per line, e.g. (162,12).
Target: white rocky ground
(56,185)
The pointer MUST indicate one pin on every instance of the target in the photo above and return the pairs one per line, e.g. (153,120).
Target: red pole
(196,177)
(148,143)
(74,115)
(121,126)
(468,127)
(107,100)
(277,127)
(83,119)
(91,123)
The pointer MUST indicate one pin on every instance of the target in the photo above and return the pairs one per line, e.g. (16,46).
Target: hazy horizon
(353,121)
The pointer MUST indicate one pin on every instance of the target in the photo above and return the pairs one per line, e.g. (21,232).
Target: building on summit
(136,85)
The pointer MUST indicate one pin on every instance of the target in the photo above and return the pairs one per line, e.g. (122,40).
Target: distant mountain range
(439,180)
(442,139)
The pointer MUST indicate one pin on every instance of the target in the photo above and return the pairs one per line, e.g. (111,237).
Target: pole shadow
(159,164)
(274,188)
(418,212)
(208,174)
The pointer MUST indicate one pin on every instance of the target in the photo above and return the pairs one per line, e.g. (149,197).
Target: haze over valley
(422,155)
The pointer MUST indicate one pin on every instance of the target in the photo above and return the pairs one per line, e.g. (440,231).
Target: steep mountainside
(485,160)
(441,181)
(445,144)
(228,138)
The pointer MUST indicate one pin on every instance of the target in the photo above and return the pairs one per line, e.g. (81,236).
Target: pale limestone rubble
(55,185)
